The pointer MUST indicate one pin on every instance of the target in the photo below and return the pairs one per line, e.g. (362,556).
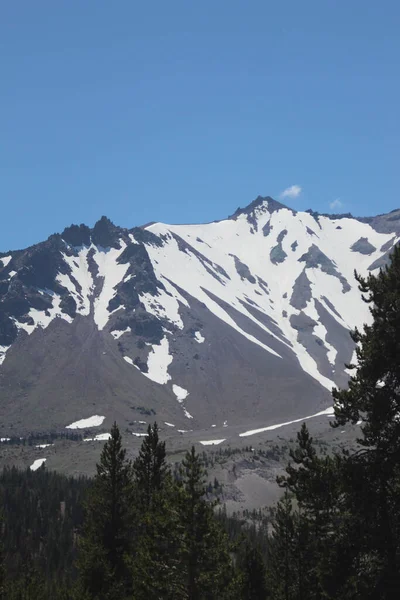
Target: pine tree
(254,585)
(373,395)
(150,468)
(154,564)
(2,560)
(204,553)
(315,483)
(106,541)
(283,554)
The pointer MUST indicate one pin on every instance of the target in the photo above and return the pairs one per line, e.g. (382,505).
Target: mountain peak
(262,203)
(266,202)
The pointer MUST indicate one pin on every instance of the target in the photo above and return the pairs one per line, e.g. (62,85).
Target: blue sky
(182,111)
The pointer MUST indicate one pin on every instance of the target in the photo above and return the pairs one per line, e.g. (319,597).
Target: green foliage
(2,565)
(149,469)
(254,578)
(340,537)
(154,563)
(106,539)
(204,551)
(335,534)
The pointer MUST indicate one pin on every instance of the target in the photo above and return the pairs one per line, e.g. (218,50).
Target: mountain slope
(227,323)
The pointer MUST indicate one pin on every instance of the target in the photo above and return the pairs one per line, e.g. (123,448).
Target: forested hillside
(139,530)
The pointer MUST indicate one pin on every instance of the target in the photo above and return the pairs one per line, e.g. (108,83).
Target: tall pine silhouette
(204,553)
(154,565)
(106,540)
(373,396)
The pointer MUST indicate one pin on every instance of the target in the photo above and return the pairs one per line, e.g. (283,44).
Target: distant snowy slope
(241,318)
(284,271)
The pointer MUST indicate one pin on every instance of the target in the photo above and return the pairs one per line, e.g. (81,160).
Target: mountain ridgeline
(228,323)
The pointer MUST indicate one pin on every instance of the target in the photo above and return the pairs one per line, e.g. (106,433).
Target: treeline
(135,531)
(148,532)
(41,438)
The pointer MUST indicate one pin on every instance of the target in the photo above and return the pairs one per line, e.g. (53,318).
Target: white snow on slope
(94,421)
(41,319)
(100,437)
(187,413)
(328,411)
(169,424)
(3,350)
(180,392)
(129,361)
(37,464)
(43,445)
(80,272)
(198,337)
(5,260)
(158,362)
(117,333)
(189,273)
(112,273)
(163,306)
(220,242)
(212,442)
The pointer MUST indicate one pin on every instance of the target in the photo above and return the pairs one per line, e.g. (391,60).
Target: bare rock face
(231,323)
(363,246)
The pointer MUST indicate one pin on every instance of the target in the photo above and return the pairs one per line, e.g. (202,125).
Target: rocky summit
(241,323)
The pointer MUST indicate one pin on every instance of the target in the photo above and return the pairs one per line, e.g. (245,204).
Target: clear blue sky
(180,111)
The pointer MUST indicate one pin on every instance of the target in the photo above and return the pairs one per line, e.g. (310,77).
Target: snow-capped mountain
(240,321)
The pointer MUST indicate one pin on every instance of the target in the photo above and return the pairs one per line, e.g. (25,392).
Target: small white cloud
(291,192)
(336,204)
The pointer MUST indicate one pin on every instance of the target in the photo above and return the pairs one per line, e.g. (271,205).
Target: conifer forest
(143,531)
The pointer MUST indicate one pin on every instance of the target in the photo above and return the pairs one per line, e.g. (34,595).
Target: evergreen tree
(154,564)
(373,395)
(29,585)
(204,553)
(106,541)
(283,557)
(254,584)
(150,468)
(2,565)
(315,483)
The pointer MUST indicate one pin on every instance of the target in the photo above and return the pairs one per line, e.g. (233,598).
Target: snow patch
(198,337)
(158,362)
(180,392)
(5,260)
(37,464)
(3,350)
(169,424)
(212,442)
(328,411)
(117,334)
(101,437)
(94,421)
(163,306)
(40,318)
(81,274)
(44,445)
(112,274)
